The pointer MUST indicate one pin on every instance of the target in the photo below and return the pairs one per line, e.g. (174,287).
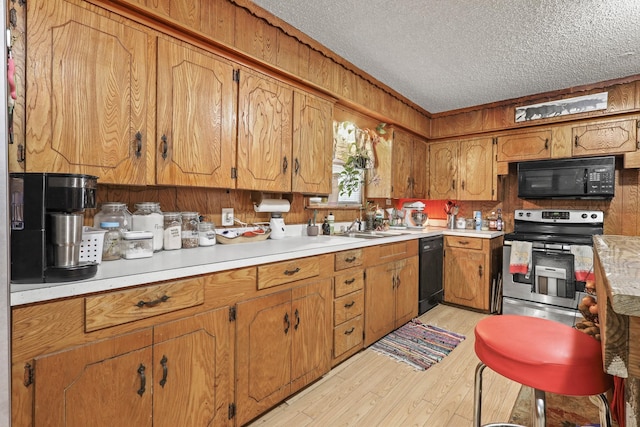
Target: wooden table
(617,271)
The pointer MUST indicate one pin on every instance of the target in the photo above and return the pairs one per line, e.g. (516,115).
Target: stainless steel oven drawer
(528,308)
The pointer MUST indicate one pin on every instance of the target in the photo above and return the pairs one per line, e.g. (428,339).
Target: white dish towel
(520,260)
(583,262)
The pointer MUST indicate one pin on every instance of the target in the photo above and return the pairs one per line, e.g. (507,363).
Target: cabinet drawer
(287,271)
(116,308)
(463,242)
(348,307)
(348,259)
(347,336)
(349,282)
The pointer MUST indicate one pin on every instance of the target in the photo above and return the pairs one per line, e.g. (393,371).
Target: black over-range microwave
(578,178)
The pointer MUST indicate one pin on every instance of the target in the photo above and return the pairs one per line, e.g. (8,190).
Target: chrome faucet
(350,227)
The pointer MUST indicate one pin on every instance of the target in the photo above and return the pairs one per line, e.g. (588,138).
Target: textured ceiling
(450,54)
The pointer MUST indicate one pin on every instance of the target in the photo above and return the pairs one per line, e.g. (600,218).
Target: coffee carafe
(47,214)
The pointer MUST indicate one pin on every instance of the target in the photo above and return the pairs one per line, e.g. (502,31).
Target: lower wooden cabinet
(177,373)
(283,343)
(470,266)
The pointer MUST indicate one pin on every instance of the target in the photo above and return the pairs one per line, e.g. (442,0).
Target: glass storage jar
(137,244)
(148,217)
(113,212)
(206,234)
(172,231)
(112,240)
(190,229)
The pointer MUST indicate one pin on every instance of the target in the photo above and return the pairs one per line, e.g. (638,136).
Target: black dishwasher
(431,257)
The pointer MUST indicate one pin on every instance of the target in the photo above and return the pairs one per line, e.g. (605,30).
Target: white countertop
(169,265)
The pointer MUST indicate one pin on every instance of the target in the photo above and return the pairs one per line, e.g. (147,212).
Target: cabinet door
(312,144)
(401,184)
(89,86)
(263,354)
(108,383)
(311,335)
(476,169)
(610,137)
(406,290)
(524,146)
(380,315)
(420,169)
(443,170)
(265,108)
(196,134)
(465,275)
(192,371)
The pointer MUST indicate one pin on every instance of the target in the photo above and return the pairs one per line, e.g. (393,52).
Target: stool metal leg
(477,395)
(538,409)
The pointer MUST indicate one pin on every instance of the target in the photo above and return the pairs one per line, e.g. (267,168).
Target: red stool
(542,354)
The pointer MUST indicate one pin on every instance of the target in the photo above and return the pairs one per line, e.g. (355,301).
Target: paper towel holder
(257,197)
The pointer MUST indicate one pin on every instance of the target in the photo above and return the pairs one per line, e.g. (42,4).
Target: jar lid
(137,235)
(147,205)
(109,224)
(114,204)
(190,214)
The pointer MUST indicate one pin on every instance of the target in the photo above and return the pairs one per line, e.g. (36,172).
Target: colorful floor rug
(562,411)
(418,344)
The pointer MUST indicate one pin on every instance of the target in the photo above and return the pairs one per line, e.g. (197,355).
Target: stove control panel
(572,216)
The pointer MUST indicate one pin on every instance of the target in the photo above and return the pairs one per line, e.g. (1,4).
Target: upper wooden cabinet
(89,104)
(196,134)
(604,137)
(265,108)
(531,145)
(312,144)
(462,170)
(409,166)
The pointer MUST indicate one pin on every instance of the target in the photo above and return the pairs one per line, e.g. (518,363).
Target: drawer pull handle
(349,281)
(165,370)
(463,242)
(350,259)
(291,272)
(143,380)
(349,305)
(287,323)
(153,303)
(297,313)
(350,331)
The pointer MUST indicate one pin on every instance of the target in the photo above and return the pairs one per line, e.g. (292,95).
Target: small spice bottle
(206,234)
(190,230)
(112,240)
(172,231)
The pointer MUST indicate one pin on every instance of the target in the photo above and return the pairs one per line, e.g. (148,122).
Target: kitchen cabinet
(522,146)
(391,288)
(312,144)
(348,305)
(283,344)
(196,126)
(265,133)
(470,266)
(176,373)
(410,166)
(402,167)
(462,170)
(604,137)
(90,91)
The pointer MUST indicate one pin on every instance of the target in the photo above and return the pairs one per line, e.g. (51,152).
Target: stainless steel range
(552,259)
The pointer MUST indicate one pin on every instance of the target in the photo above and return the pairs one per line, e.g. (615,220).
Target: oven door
(550,281)
(535,309)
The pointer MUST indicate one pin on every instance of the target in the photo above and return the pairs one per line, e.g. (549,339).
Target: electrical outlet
(227,216)
(388,202)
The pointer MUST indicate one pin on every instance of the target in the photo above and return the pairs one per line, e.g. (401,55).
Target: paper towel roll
(272,205)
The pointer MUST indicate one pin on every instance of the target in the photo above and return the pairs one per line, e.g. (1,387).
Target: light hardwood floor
(370,389)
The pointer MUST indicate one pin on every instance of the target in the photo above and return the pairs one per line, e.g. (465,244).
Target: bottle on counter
(499,223)
(113,212)
(148,217)
(190,234)
(111,249)
(326,228)
(331,221)
(172,231)
(478,219)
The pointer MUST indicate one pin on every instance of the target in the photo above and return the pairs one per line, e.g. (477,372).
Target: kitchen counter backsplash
(171,265)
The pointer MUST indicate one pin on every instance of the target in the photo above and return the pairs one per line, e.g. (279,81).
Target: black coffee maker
(47,214)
